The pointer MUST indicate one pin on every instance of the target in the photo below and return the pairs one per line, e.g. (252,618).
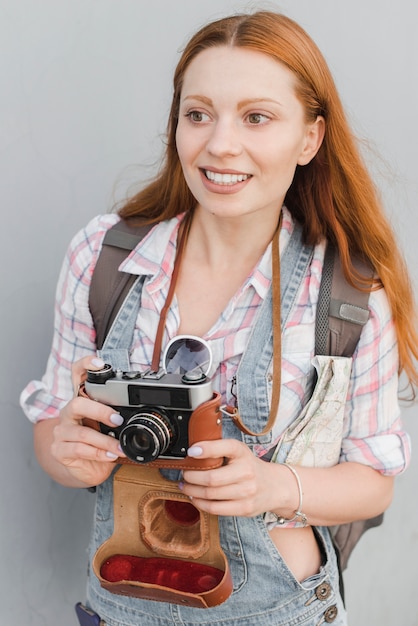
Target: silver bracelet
(298,516)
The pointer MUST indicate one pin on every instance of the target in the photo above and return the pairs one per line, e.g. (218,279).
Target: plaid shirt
(373,433)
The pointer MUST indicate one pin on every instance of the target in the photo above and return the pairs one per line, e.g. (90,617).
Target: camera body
(163,414)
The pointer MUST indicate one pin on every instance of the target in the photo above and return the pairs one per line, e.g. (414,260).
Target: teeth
(225,179)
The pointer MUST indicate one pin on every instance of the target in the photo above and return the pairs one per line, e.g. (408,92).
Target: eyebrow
(241,104)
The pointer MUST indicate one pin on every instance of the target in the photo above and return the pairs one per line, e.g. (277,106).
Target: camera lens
(146,436)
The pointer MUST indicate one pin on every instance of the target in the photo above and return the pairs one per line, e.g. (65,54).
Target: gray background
(85,89)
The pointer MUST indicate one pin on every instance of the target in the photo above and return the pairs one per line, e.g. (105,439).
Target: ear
(314,135)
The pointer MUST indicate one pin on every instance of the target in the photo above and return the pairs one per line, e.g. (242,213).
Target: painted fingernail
(194,451)
(97,362)
(116,419)
(110,455)
(181,486)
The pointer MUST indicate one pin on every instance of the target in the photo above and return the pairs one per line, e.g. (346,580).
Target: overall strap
(117,345)
(252,390)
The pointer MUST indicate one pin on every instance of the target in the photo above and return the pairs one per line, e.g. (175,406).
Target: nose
(224,139)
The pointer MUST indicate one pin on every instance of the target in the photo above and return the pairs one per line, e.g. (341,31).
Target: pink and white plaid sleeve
(373,430)
(74,334)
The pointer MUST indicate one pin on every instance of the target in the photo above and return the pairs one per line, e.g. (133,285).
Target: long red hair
(333,196)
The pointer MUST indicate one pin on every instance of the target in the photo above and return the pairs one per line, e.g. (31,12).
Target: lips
(225,179)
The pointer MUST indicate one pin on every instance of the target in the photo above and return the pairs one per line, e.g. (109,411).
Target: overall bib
(265,592)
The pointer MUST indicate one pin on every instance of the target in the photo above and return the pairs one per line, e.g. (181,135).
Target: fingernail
(194,451)
(97,362)
(116,419)
(111,455)
(181,486)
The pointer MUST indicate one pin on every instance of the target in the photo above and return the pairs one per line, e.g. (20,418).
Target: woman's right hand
(86,454)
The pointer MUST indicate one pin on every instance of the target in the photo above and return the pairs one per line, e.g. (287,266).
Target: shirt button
(323,592)
(330,614)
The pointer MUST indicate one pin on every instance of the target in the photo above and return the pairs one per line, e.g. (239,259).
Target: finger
(224,483)
(74,441)
(79,428)
(71,429)
(228,508)
(79,409)
(237,467)
(220,492)
(228,500)
(216,448)
(80,367)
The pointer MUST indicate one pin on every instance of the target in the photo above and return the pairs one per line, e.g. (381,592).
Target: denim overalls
(265,590)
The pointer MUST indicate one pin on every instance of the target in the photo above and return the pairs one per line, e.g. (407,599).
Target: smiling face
(242,131)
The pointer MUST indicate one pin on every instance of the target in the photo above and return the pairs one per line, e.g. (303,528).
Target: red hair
(333,196)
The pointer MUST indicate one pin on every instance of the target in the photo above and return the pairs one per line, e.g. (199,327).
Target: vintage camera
(157,408)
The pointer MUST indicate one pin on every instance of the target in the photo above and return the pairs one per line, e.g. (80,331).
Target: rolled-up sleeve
(373,433)
(74,334)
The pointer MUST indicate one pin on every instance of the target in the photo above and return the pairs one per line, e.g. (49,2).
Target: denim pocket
(104,500)
(232,546)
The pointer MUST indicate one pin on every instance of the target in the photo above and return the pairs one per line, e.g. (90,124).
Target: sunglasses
(187,354)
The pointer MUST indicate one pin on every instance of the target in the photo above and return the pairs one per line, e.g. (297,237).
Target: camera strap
(182,238)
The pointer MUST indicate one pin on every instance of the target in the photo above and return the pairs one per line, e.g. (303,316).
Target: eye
(257,118)
(197,116)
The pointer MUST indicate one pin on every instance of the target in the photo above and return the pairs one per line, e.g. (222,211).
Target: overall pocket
(233,547)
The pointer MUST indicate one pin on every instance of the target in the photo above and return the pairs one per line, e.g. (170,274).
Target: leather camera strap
(277,347)
(276,321)
(182,238)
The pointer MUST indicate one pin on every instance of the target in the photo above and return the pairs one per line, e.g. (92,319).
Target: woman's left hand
(243,486)
(247,486)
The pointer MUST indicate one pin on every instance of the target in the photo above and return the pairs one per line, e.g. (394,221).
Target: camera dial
(99,377)
(194,377)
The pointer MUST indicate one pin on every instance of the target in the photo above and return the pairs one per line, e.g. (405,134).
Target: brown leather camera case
(162,547)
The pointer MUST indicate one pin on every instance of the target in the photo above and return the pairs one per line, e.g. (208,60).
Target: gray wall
(84,95)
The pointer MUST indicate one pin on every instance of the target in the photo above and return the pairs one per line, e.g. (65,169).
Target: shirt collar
(154,255)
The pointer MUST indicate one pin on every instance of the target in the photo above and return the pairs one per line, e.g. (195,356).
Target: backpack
(341,314)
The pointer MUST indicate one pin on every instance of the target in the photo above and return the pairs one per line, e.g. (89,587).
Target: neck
(221,241)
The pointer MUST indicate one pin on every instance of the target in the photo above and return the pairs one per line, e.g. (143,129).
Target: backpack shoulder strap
(341,314)
(342,309)
(109,287)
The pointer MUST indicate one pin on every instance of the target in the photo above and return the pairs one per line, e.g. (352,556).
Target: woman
(257,144)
